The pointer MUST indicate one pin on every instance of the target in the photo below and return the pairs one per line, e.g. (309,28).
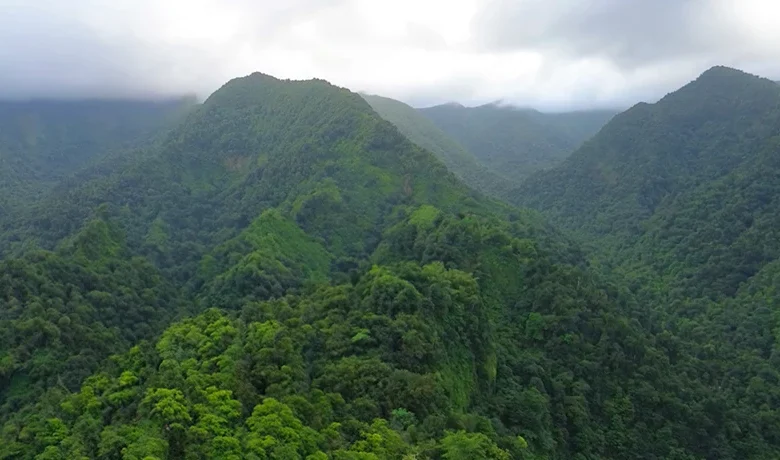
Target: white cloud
(543,53)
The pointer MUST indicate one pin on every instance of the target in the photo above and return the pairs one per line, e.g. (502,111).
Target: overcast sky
(550,54)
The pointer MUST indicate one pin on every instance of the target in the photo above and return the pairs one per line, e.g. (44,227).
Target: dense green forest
(679,199)
(282,274)
(686,186)
(423,132)
(513,142)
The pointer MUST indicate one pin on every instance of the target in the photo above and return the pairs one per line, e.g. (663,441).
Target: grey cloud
(345,26)
(424,37)
(456,89)
(53,56)
(605,53)
(645,48)
(92,48)
(266,21)
(629,33)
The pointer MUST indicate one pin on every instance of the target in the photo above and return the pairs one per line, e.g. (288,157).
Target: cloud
(619,51)
(629,33)
(551,54)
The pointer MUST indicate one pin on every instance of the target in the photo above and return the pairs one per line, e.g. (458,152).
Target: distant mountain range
(423,132)
(492,147)
(689,179)
(514,142)
(43,141)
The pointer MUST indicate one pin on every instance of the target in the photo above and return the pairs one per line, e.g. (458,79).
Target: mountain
(427,135)
(680,199)
(257,144)
(43,141)
(285,275)
(513,142)
(692,177)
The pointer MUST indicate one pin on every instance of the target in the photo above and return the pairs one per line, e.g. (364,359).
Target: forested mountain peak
(275,193)
(712,96)
(680,198)
(653,151)
(252,88)
(720,71)
(260,142)
(258,113)
(453,104)
(720,91)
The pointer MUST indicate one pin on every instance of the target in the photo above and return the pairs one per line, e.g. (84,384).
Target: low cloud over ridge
(551,54)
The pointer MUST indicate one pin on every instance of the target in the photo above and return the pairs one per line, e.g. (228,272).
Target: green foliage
(269,257)
(491,147)
(647,156)
(678,199)
(461,446)
(62,313)
(313,388)
(316,152)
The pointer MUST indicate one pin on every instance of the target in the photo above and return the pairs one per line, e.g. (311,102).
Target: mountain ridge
(512,142)
(678,199)
(366,163)
(424,133)
(493,146)
(43,141)
(673,157)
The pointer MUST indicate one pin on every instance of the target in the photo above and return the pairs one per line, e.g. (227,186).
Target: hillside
(427,135)
(512,142)
(256,144)
(327,289)
(64,312)
(686,182)
(679,198)
(43,141)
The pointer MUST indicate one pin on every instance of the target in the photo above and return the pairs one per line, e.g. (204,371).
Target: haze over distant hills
(680,199)
(513,142)
(492,147)
(423,132)
(291,270)
(44,141)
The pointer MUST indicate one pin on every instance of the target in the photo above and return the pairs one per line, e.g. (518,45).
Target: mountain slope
(679,198)
(424,133)
(513,142)
(44,141)
(370,306)
(311,148)
(689,179)
(63,312)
